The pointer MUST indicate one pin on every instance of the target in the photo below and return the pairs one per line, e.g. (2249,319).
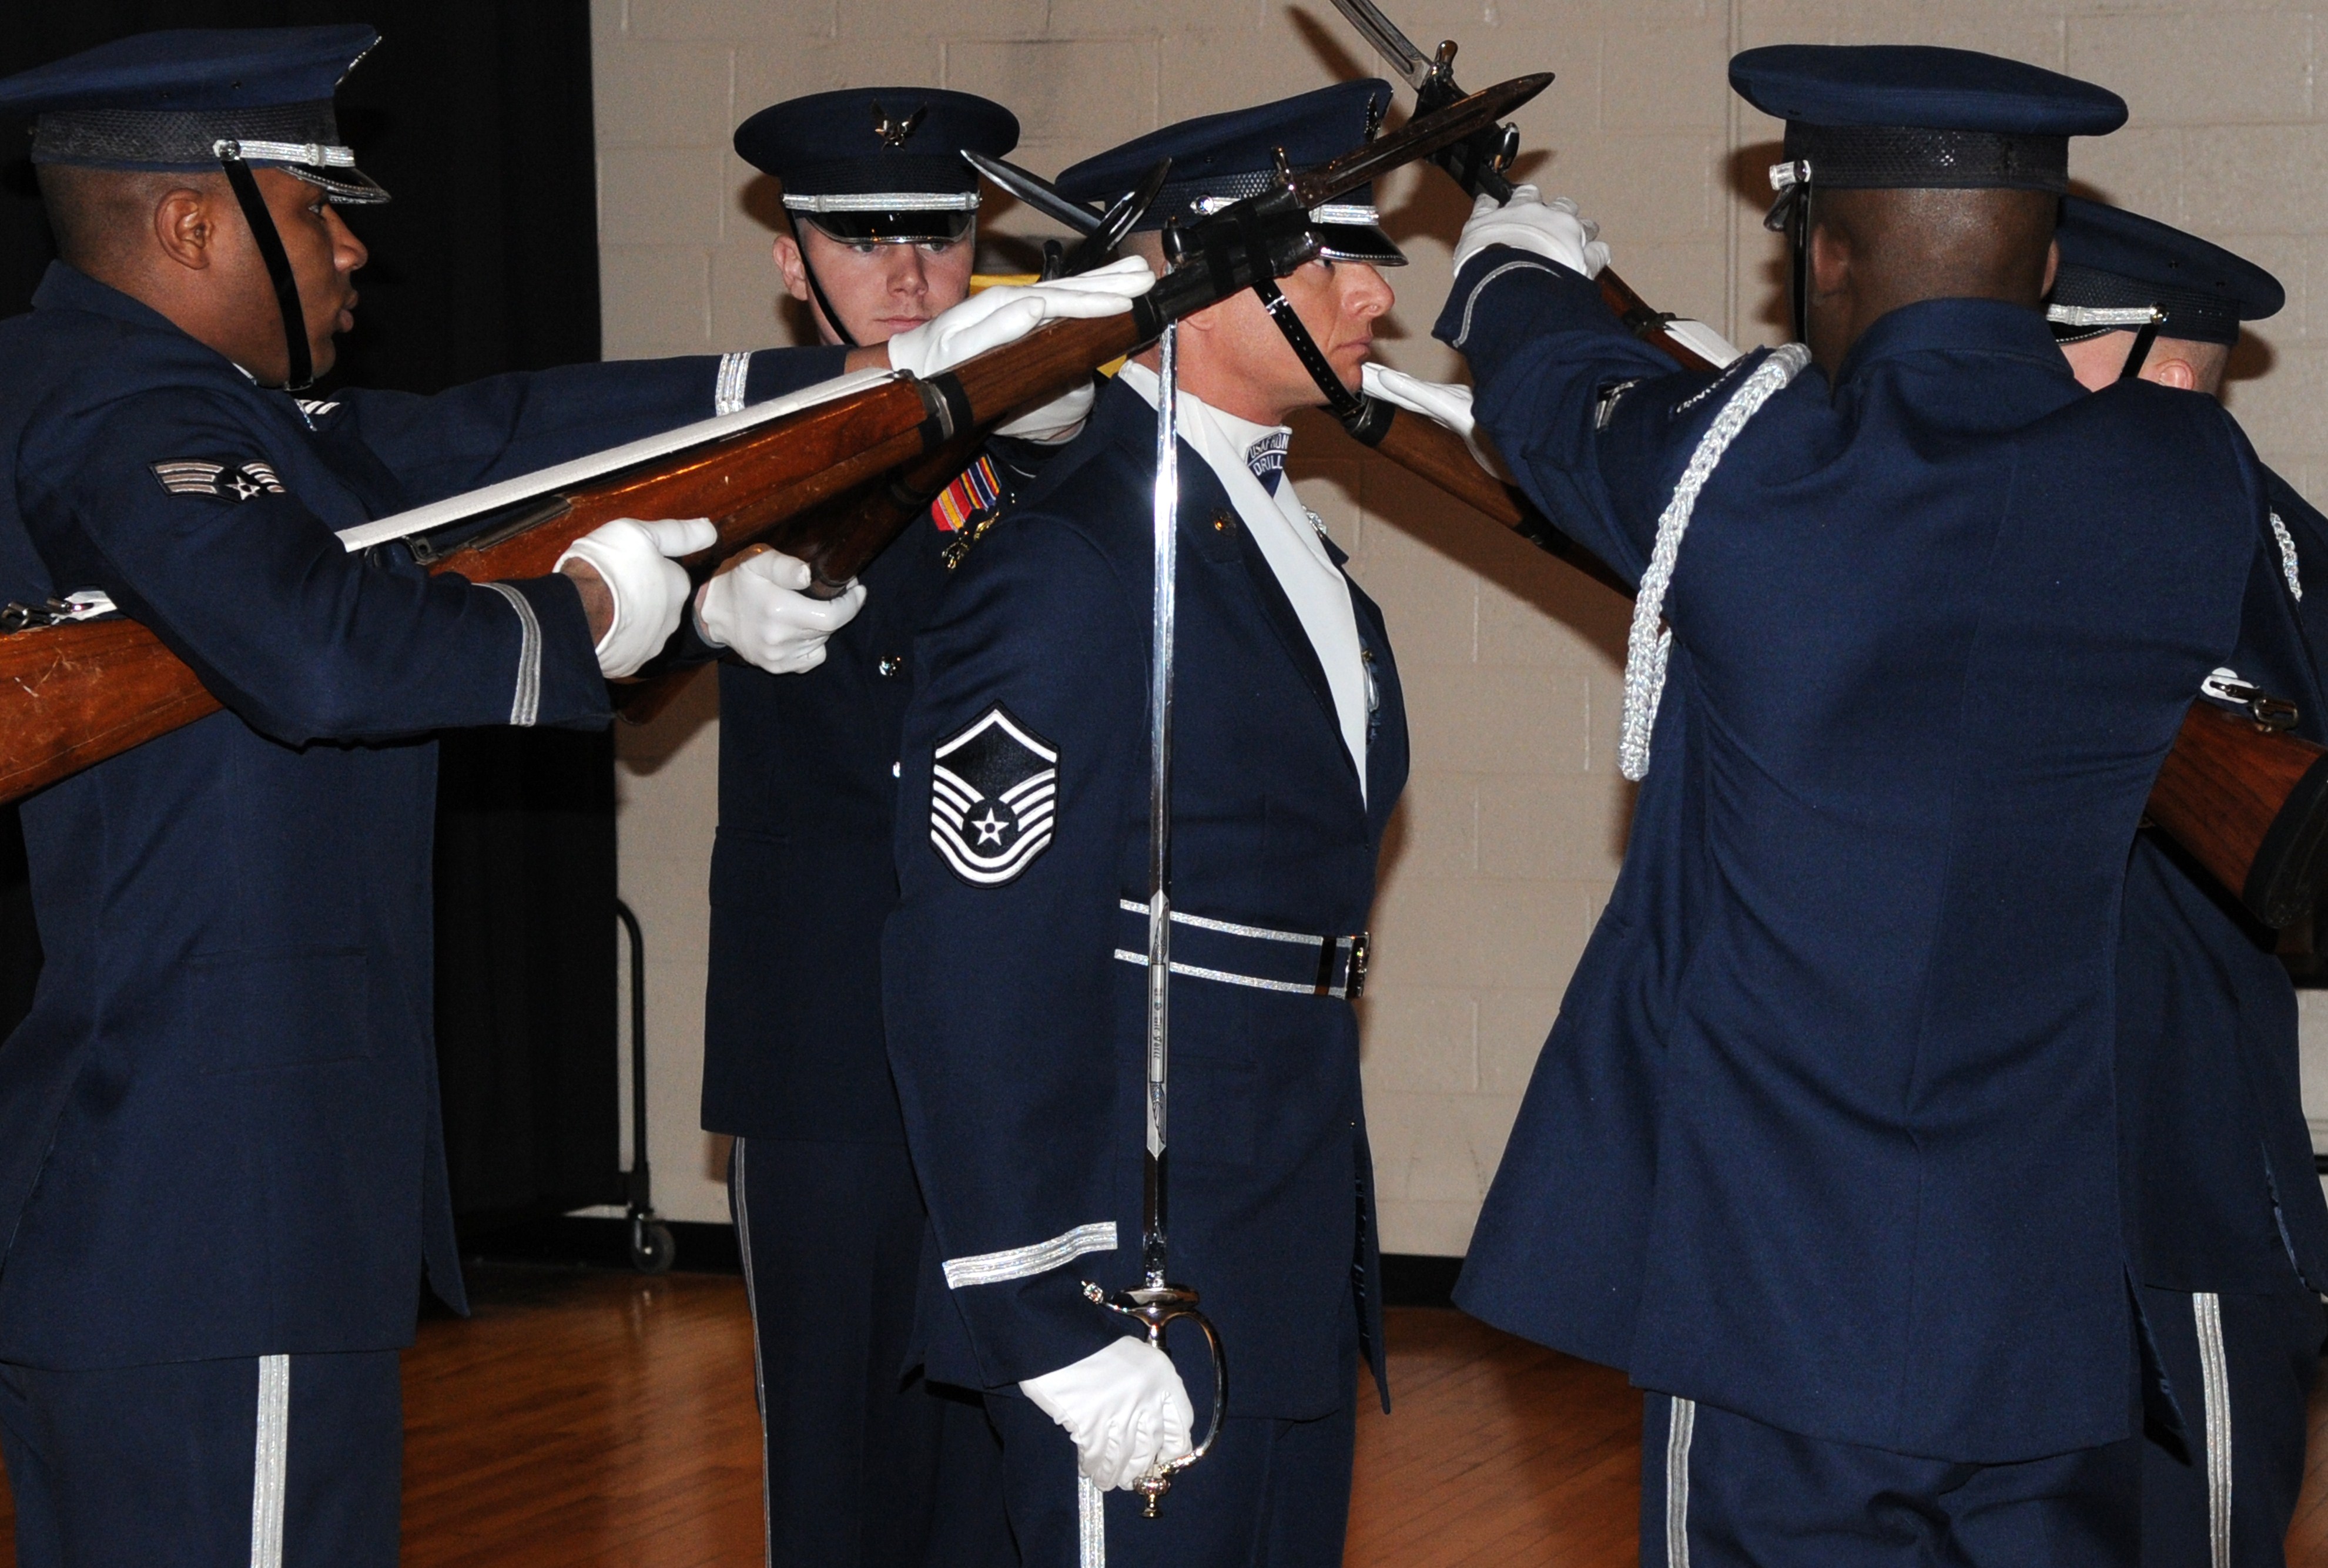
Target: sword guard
(1156,1307)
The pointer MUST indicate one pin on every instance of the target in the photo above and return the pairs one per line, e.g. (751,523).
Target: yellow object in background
(981,281)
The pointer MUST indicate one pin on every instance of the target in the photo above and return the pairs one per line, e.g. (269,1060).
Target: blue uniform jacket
(219,1125)
(2220,1193)
(1016,1032)
(802,874)
(1825,1134)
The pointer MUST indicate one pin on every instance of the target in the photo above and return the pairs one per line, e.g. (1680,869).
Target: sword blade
(1419,138)
(1037,192)
(1408,63)
(1164,601)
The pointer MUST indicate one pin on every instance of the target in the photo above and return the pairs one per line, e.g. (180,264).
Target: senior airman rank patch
(993,789)
(224,481)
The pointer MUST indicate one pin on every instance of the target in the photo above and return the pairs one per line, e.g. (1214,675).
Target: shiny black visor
(1357,243)
(889,227)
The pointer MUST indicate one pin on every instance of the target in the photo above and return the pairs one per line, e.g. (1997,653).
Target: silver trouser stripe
(2215,1381)
(1532,264)
(525,701)
(727,392)
(743,1211)
(1091,1521)
(1019,1263)
(1648,644)
(269,1462)
(1677,1436)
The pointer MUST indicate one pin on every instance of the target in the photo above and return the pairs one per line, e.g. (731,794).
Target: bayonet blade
(1406,61)
(1419,138)
(1037,192)
(1100,246)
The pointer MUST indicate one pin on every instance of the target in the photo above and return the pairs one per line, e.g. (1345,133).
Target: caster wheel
(653,1250)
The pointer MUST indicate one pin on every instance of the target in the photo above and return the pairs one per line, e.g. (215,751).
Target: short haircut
(100,216)
(1912,244)
(2208,361)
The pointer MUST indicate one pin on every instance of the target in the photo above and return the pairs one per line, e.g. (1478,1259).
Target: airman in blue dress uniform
(863,1458)
(2225,1229)
(1013,969)
(1823,1149)
(221,1167)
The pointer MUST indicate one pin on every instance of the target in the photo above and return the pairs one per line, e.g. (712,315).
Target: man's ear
(185,226)
(2052,268)
(1830,262)
(2175,373)
(789,265)
(1207,319)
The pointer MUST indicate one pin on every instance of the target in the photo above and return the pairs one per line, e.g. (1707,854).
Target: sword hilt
(1156,1307)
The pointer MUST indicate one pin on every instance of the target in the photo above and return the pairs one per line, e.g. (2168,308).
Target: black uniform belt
(1255,955)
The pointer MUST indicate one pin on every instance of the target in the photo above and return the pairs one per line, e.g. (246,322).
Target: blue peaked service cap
(1914,115)
(1219,159)
(164,101)
(880,163)
(2118,267)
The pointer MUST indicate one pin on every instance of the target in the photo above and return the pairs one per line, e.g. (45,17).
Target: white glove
(648,589)
(1004,315)
(1055,422)
(1447,403)
(756,608)
(1124,1407)
(1552,230)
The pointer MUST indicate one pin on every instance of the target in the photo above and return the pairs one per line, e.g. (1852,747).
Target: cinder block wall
(1513,826)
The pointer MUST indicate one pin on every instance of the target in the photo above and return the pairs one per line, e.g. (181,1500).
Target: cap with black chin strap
(1217,160)
(1901,117)
(195,99)
(2121,271)
(877,165)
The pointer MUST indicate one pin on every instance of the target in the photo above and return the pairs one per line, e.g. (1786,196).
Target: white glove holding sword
(1124,1407)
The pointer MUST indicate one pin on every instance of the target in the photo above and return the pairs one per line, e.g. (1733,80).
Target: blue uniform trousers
(864,1459)
(1270,1494)
(1719,1490)
(277,1461)
(2242,1368)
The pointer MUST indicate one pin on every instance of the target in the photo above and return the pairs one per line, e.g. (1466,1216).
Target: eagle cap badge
(893,133)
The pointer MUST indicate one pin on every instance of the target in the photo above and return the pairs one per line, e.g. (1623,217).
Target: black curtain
(475,114)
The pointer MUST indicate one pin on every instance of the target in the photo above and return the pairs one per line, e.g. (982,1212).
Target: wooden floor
(599,1418)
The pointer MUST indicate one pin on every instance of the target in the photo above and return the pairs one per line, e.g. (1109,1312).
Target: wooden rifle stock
(76,693)
(2247,801)
(841,537)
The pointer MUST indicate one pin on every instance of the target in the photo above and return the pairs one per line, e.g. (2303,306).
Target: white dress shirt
(1291,539)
